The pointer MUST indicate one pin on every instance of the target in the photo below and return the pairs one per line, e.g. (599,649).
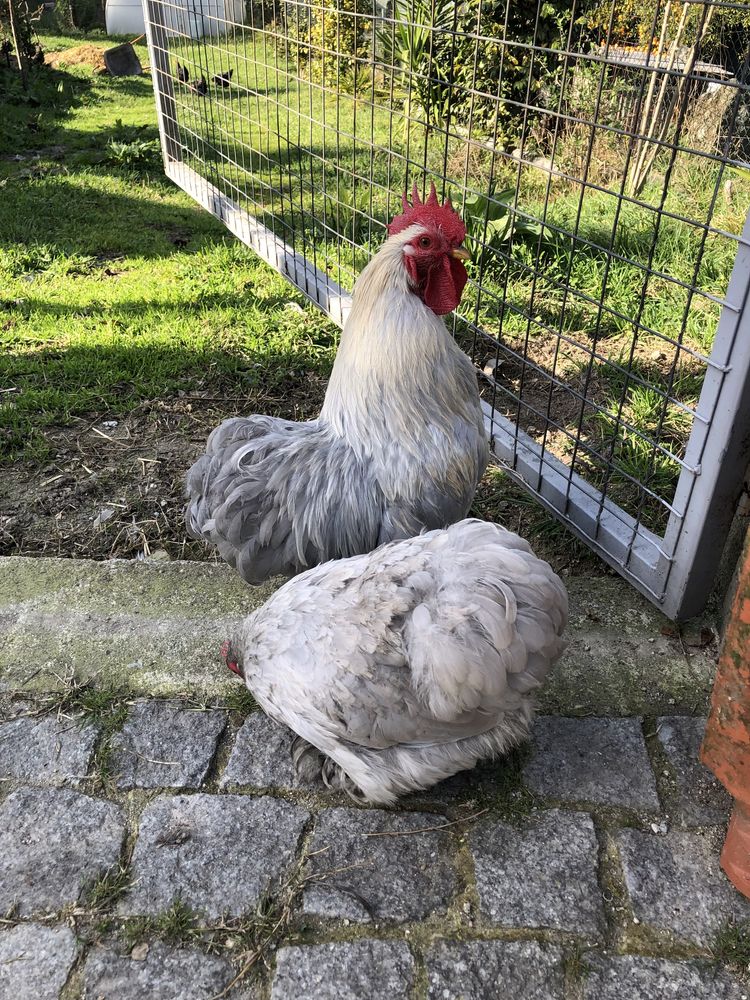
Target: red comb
(225,649)
(429,212)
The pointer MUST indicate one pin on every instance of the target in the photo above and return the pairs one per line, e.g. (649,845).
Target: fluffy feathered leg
(335,777)
(307,760)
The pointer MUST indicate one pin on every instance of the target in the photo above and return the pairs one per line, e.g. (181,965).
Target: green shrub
(261,13)
(505,68)
(491,222)
(58,20)
(416,44)
(137,155)
(24,30)
(436,44)
(325,41)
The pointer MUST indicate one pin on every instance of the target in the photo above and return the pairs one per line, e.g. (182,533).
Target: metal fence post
(720,448)
(161,74)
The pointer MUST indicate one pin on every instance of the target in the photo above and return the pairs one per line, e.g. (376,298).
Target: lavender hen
(400,667)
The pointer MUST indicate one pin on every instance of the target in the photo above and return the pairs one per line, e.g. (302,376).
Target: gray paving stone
(591,760)
(405,876)
(53,842)
(495,970)
(35,961)
(702,801)
(13,707)
(164,974)
(217,853)
(675,884)
(46,751)
(360,970)
(164,745)
(261,756)
(540,875)
(630,977)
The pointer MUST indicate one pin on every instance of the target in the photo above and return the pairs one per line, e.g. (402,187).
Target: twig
(682,644)
(425,829)
(85,430)
(218,399)
(249,964)
(102,434)
(283,918)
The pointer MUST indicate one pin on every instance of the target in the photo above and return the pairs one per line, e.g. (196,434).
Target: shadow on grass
(90,213)
(28,117)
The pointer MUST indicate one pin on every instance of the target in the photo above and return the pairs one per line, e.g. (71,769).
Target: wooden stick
(681,85)
(20,56)
(652,83)
(639,178)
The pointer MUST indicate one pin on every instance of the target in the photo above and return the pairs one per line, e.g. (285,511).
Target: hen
(399,445)
(405,665)
(223,79)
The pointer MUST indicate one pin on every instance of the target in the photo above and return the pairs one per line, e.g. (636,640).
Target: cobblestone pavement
(163,850)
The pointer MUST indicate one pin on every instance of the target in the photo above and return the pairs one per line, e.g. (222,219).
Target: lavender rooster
(399,445)
(402,666)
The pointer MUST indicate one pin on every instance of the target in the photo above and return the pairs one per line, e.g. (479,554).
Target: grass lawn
(131,323)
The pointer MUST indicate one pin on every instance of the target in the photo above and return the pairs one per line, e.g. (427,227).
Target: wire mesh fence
(598,153)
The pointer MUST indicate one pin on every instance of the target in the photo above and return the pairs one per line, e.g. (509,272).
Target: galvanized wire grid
(604,186)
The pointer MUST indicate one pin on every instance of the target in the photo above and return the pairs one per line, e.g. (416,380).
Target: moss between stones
(108,888)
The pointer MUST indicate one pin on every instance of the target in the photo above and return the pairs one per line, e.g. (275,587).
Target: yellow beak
(460,253)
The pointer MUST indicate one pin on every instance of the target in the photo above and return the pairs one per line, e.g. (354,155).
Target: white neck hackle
(398,369)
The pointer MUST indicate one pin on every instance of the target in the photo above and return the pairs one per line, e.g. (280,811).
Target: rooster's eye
(425,241)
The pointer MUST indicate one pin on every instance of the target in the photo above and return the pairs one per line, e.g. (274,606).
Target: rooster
(399,445)
(403,666)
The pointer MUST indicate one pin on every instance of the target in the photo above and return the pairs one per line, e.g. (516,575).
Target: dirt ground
(83,55)
(113,489)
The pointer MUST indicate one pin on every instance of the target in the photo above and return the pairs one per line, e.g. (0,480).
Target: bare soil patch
(114,487)
(82,55)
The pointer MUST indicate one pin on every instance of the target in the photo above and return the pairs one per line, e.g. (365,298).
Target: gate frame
(674,571)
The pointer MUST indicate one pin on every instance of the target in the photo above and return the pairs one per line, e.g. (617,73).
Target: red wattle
(444,286)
